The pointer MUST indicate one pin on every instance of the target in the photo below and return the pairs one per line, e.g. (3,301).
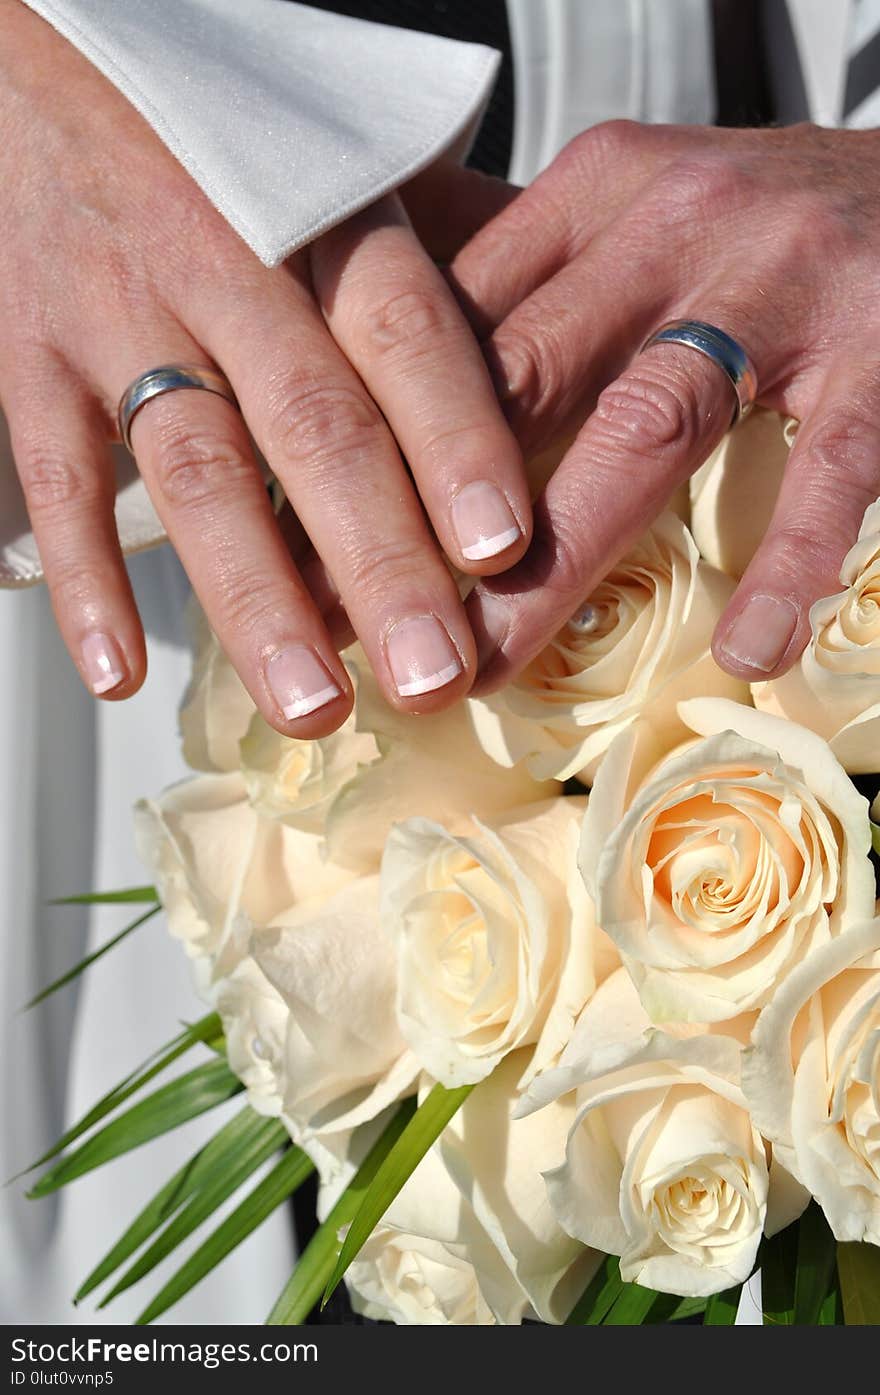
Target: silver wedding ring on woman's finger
(721,348)
(169,377)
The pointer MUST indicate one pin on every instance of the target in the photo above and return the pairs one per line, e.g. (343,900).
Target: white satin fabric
(70,769)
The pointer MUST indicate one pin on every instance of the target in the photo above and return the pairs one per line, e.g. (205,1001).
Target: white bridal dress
(262,104)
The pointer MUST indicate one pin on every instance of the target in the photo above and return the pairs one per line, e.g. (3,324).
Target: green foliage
(91,958)
(859,1269)
(195,1174)
(172,1104)
(425,1126)
(314,1267)
(289,1172)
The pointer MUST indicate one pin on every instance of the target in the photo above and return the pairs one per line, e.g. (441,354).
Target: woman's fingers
(193,451)
(328,443)
(395,319)
(59,441)
(832,474)
(651,428)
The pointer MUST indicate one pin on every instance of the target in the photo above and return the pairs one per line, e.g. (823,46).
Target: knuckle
(248,604)
(802,550)
(408,322)
(75,581)
(375,573)
(532,364)
(649,413)
(603,144)
(698,185)
(53,483)
(192,467)
(313,420)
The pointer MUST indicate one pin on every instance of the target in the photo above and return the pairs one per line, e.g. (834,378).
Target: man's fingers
(395,319)
(832,474)
(651,428)
(551,222)
(59,441)
(447,204)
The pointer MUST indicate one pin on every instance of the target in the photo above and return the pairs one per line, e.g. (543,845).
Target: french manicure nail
(299,682)
(421,656)
(483,521)
(103,663)
(761,633)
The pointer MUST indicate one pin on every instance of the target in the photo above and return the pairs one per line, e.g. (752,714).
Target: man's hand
(772,235)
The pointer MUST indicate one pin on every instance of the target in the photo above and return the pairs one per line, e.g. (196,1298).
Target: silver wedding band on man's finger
(719,346)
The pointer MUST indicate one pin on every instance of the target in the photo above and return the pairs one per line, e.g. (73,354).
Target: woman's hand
(772,235)
(112,262)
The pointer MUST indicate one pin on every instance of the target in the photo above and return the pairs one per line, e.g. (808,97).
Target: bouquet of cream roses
(571,996)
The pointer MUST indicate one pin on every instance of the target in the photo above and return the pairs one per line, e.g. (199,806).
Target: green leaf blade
(194,1174)
(314,1267)
(205,1030)
(599,1297)
(816,1274)
(722,1308)
(171,1105)
(289,1173)
(858,1266)
(777,1259)
(425,1126)
(262,1138)
(632,1306)
(90,959)
(130,896)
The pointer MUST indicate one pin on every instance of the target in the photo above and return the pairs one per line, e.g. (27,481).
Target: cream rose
(495,937)
(733,495)
(255,1021)
(381,767)
(220,869)
(639,644)
(217,708)
(663,1165)
(719,868)
(298,781)
(430,1262)
(344,1059)
(812,1079)
(835,687)
(497,1164)
(415,1281)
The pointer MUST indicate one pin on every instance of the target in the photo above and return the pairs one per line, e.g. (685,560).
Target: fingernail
(483,521)
(490,621)
(299,682)
(421,656)
(103,663)
(761,633)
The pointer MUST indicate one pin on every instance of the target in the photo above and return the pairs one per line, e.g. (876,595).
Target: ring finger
(651,428)
(193,451)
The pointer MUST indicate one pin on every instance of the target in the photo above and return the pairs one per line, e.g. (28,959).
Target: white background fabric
(71,769)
